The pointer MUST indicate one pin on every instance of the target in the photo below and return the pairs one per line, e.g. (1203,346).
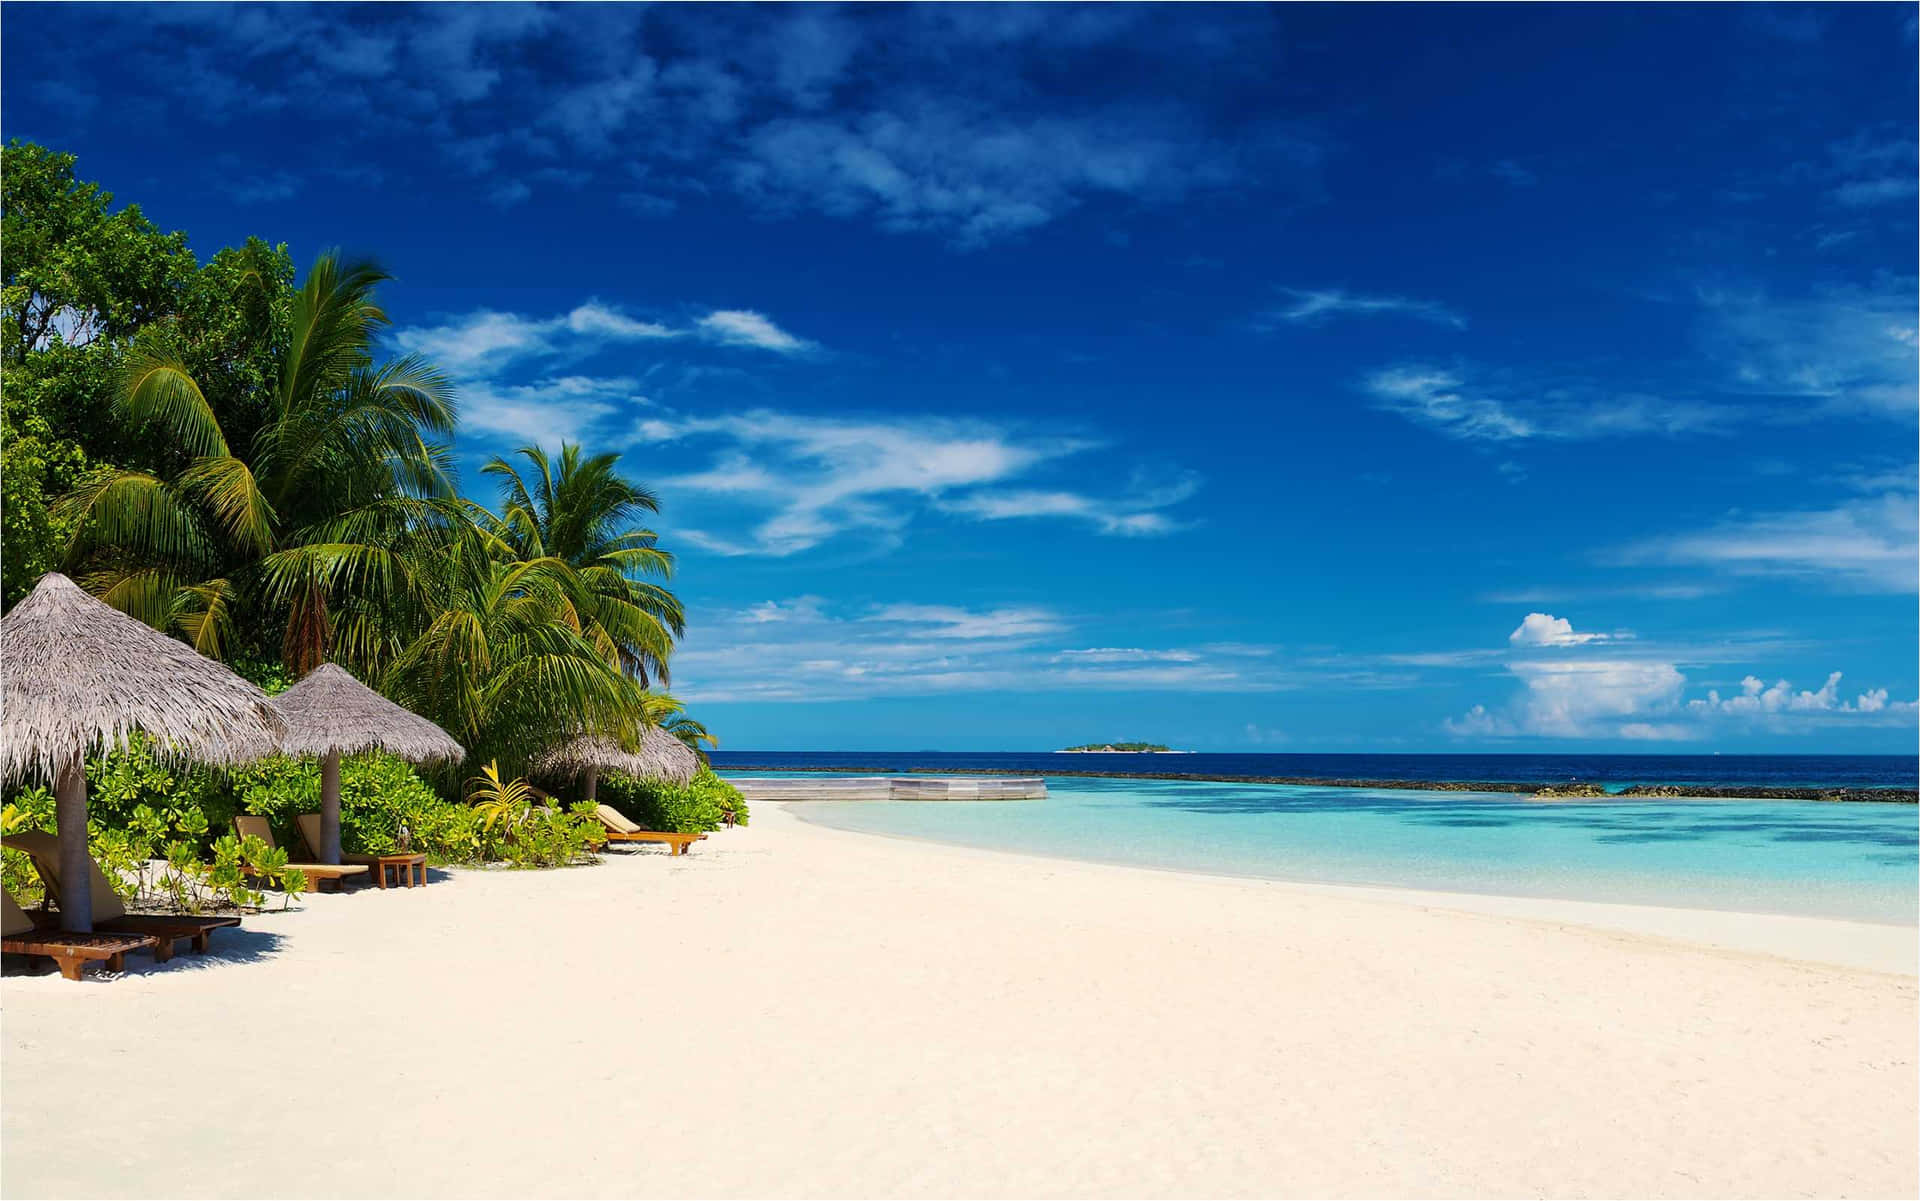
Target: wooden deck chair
(619,829)
(73,953)
(322,874)
(309,826)
(110,916)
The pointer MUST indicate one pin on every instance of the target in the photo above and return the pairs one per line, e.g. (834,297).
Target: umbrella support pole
(76,866)
(329,848)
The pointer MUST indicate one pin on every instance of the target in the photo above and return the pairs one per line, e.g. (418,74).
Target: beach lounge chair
(109,915)
(619,829)
(72,953)
(322,874)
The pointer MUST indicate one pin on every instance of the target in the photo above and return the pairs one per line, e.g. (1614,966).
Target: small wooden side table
(409,868)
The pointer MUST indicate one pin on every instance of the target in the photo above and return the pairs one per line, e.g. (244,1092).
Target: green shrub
(385,805)
(692,808)
(382,801)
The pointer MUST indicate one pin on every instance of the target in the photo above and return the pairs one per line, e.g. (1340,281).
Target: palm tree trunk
(329,848)
(76,866)
(593,783)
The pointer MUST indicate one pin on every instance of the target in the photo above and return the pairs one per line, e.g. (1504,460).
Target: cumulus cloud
(1756,698)
(1544,629)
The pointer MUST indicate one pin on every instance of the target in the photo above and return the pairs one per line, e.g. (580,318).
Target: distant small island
(1097,748)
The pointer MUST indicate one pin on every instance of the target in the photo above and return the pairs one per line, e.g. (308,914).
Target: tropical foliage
(706,803)
(223,451)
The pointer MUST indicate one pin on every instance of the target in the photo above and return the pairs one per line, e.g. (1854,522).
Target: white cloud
(1313,306)
(1756,698)
(1606,695)
(1492,411)
(484,343)
(1124,654)
(951,621)
(743,327)
(802,650)
(814,478)
(1869,543)
(1135,514)
(1838,350)
(550,411)
(1544,629)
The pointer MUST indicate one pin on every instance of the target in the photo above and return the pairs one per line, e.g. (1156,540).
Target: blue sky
(1313,378)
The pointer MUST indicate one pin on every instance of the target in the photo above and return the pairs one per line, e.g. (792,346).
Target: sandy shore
(799,1011)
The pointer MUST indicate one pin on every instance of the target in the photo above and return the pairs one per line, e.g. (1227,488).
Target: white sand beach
(797,1011)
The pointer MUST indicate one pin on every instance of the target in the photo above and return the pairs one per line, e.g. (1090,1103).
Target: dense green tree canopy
(221,451)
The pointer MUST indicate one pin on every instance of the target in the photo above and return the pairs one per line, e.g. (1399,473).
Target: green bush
(693,808)
(385,806)
(380,798)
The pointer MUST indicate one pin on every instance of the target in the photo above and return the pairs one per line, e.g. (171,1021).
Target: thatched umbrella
(330,714)
(80,676)
(661,757)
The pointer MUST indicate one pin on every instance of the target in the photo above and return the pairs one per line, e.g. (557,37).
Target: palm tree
(586,516)
(306,526)
(503,661)
(694,734)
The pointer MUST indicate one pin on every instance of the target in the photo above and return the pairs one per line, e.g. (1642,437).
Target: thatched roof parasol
(330,714)
(661,757)
(80,676)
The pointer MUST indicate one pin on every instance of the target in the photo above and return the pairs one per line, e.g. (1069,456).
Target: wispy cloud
(797,109)
(1867,543)
(1136,513)
(1312,306)
(485,342)
(743,327)
(815,478)
(1846,350)
(804,650)
(1459,404)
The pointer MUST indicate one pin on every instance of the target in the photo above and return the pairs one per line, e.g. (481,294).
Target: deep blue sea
(1858,771)
(1814,858)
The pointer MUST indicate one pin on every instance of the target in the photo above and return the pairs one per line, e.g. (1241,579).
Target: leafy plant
(701,805)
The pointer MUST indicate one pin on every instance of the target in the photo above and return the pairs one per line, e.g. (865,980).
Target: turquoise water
(1814,858)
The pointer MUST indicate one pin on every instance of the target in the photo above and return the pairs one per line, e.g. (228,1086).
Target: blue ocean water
(1855,771)
(1814,858)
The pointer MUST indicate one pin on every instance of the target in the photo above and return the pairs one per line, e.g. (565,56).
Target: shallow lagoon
(1820,859)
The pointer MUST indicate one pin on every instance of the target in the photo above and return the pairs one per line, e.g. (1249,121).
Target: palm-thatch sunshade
(661,757)
(330,714)
(79,677)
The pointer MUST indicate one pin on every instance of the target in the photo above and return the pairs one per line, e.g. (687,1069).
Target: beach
(793,1010)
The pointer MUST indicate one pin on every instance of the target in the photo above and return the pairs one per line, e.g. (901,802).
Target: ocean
(1853,860)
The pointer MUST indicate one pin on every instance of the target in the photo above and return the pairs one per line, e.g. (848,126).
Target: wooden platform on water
(891,788)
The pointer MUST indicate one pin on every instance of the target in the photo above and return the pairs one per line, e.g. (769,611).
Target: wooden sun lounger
(109,915)
(619,829)
(322,874)
(72,953)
